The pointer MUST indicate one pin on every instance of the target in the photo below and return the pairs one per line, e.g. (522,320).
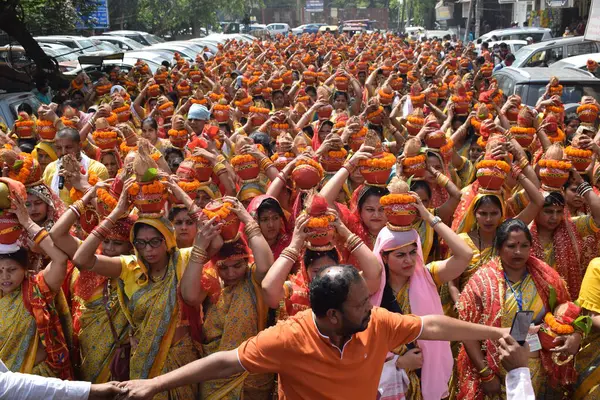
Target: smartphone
(520,326)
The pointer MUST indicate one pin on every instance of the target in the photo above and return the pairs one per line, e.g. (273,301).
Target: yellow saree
(18,335)
(96,342)
(479,258)
(587,361)
(238,314)
(154,313)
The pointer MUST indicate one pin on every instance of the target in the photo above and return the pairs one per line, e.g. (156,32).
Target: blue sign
(97,19)
(314,5)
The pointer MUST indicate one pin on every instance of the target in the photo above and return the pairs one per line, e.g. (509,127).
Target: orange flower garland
(375,113)
(25,123)
(494,164)
(166,105)
(112,119)
(221,107)
(242,159)
(221,214)
(25,169)
(178,133)
(320,222)
(387,161)
(557,327)
(547,163)
(77,194)
(556,90)
(243,102)
(584,107)
(189,187)
(418,159)
(104,134)
(555,109)
(580,153)
(416,120)
(152,188)
(558,138)
(396,198)
(259,110)
(341,153)
(522,131)
(287,154)
(107,198)
(201,101)
(447,147)
(281,126)
(76,86)
(103,89)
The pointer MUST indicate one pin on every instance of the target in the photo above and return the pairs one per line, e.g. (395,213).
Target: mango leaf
(17,165)
(583,323)
(150,174)
(409,181)
(552,298)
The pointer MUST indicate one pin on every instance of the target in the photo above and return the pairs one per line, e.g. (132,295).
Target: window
(581,48)
(68,43)
(537,59)
(555,54)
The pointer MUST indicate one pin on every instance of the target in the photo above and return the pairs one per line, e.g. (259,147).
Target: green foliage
(583,323)
(46,17)
(552,298)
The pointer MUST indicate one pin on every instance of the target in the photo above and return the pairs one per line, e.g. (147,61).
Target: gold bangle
(290,254)
(486,368)
(251,230)
(442,180)
(523,163)
(80,206)
(265,163)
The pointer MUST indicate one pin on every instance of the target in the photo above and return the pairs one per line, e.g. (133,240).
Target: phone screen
(520,326)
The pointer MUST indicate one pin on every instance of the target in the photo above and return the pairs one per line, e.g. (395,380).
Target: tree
(47,17)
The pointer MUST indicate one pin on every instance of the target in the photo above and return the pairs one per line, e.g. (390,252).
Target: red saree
(482,301)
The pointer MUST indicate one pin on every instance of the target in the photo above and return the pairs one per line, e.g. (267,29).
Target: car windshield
(151,39)
(133,44)
(572,92)
(88,46)
(60,55)
(522,54)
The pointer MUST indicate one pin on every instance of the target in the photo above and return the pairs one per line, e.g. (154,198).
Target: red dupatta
(481,302)
(39,301)
(285,235)
(567,252)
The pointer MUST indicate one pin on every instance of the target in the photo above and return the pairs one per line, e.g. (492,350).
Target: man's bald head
(330,287)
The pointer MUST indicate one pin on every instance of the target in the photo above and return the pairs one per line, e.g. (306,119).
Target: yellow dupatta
(426,233)
(151,309)
(47,148)
(587,361)
(18,334)
(228,323)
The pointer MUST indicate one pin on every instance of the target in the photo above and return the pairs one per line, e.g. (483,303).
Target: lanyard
(517,293)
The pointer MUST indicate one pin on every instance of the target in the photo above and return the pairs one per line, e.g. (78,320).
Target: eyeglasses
(154,243)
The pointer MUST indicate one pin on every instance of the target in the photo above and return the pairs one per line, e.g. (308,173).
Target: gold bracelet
(252,229)
(290,254)
(523,163)
(265,163)
(486,368)
(80,206)
(442,180)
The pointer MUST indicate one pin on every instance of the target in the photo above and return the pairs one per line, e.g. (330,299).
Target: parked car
(513,45)
(440,34)
(547,53)
(530,83)
(307,28)
(106,46)
(151,54)
(122,42)
(94,70)
(184,51)
(80,43)
(147,39)
(537,34)
(9,102)
(579,62)
(278,29)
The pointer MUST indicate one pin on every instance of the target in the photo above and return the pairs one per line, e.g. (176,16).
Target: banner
(592,29)
(314,6)
(97,19)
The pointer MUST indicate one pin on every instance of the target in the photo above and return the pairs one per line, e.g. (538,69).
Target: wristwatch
(436,220)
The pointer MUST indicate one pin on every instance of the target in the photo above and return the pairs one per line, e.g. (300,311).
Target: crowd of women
(151,219)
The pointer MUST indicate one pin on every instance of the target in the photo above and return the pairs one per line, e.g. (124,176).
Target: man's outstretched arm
(222,364)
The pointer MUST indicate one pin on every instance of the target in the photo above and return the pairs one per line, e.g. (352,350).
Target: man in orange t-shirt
(334,351)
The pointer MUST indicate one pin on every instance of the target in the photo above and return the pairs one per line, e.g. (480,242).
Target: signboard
(314,6)
(592,29)
(443,13)
(97,19)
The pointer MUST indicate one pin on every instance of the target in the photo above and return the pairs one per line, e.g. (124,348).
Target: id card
(534,341)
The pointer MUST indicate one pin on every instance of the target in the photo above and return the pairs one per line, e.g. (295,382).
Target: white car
(147,39)
(79,43)
(579,62)
(278,28)
(537,34)
(122,42)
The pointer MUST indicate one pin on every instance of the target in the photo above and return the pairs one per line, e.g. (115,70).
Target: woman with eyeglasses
(159,332)
(90,293)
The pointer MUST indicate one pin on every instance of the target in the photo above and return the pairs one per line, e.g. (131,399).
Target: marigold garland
(558,138)
(320,222)
(215,96)
(387,161)
(555,109)
(243,159)
(107,198)
(104,135)
(199,101)
(221,214)
(503,165)
(556,90)
(125,149)
(178,133)
(76,86)
(481,142)
(112,119)
(287,154)
(522,130)
(259,110)
(416,120)
(341,153)
(25,169)
(580,153)
(556,164)
(418,159)
(25,123)
(396,198)
(103,89)
(281,126)
(189,187)
(557,327)
(121,109)
(222,107)
(155,187)
(166,105)
(243,102)
(77,194)
(375,113)
(69,123)
(584,107)
(447,147)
